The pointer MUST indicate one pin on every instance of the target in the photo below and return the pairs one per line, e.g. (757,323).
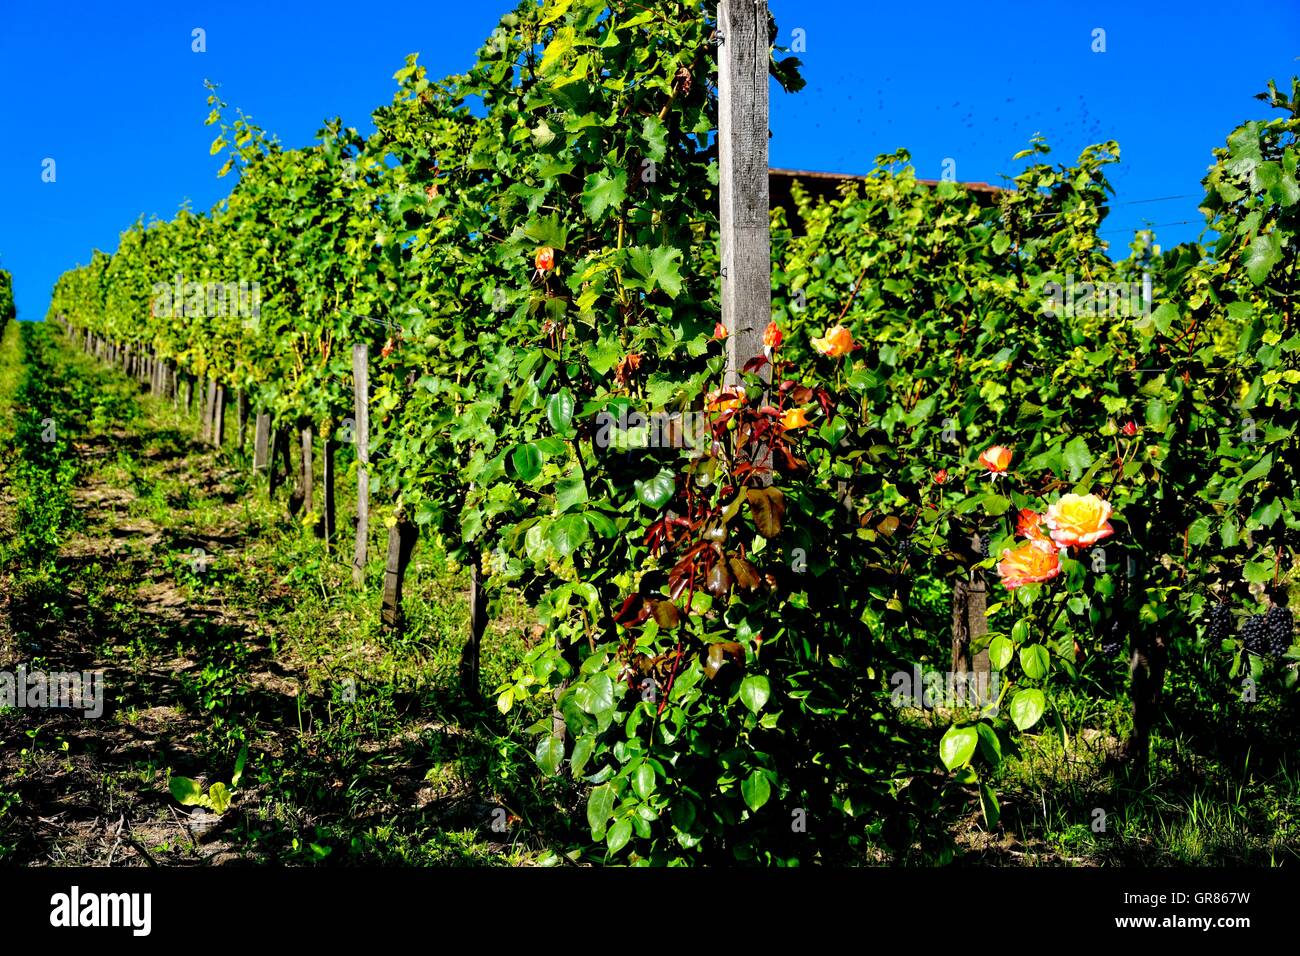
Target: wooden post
(261,440)
(401,542)
(242,402)
(278,471)
(478,619)
(745,211)
(1148,662)
(744,205)
(970,620)
(361,431)
(308,468)
(325,528)
(202,387)
(219,416)
(303,492)
(969,625)
(209,405)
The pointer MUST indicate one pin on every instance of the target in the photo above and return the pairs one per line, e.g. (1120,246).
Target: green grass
(363,747)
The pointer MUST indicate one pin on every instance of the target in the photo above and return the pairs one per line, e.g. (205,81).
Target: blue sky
(113,93)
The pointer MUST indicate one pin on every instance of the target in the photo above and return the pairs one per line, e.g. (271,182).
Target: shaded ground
(216,624)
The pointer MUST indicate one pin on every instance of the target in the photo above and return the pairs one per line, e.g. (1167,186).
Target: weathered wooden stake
(478,619)
(969,625)
(306,486)
(970,618)
(401,542)
(745,210)
(219,416)
(209,407)
(325,528)
(242,403)
(744,204)
(361,433)
(1147,665)
(261,440)
(278,472)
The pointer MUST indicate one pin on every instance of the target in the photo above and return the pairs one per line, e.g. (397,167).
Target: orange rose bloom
(1029,525)
(719,331)
(772,336)
(545,259)
(996,459)
(726,400)
(794,418)
(1027,562)
(941,476)
(1077,521)
(838,341)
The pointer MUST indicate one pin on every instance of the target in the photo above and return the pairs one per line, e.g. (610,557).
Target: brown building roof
(826,186)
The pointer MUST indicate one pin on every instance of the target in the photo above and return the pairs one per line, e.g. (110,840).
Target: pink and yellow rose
(838,341)
(996,459)
(1028,562)
(1077,521)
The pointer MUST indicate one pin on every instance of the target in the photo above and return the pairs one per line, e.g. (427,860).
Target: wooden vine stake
(325,528)
(401,542)
(219,416)
(241,402)
(478,619)
(361,434)
(203,409)
(278,472)
(305,492)
(261,441)
(744,210)
(970,625)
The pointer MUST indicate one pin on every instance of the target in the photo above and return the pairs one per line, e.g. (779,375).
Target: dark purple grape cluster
(1113,642)
(1252,635)
(1279,627)
(1219,624)
(986,542)
(1269,634)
